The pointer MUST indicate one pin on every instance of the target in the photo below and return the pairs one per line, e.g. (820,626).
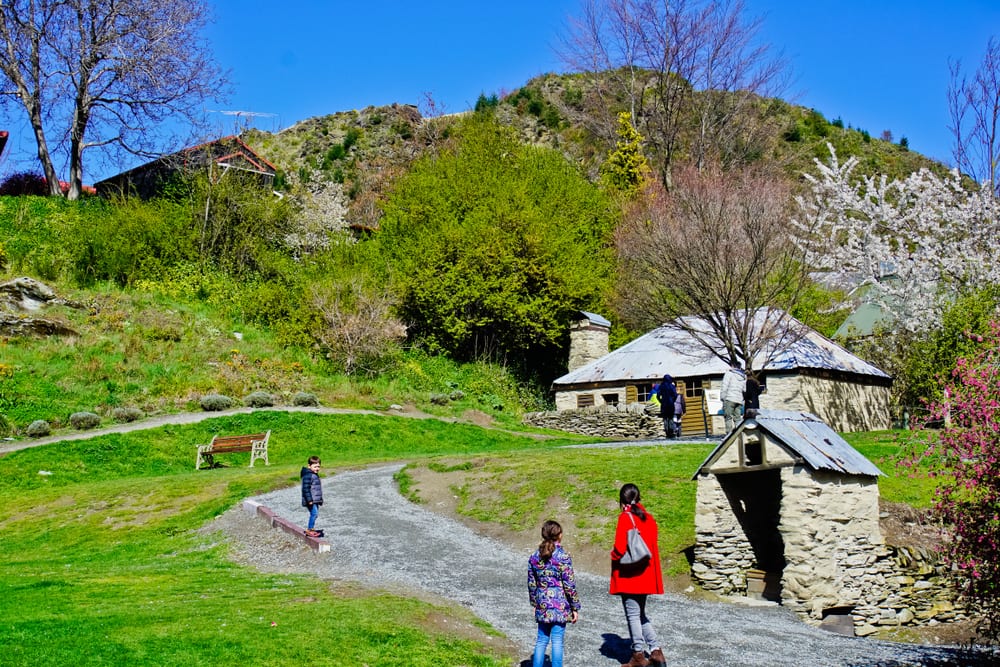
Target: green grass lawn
(102,562)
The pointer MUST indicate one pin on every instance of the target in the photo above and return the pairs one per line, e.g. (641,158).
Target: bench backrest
(236,442)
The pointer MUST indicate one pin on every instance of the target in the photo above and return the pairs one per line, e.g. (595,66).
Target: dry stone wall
(619,422)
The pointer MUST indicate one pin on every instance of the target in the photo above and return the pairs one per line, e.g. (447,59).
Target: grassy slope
(100,562)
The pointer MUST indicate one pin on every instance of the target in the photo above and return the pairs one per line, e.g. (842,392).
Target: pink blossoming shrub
(965,457)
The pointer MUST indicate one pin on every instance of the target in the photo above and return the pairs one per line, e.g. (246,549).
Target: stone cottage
(812,374)
(788,511)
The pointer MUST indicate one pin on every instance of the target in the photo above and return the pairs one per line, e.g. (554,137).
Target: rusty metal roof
(806,436)
(668,349)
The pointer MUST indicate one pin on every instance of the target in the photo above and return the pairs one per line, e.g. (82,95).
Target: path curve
(380,539)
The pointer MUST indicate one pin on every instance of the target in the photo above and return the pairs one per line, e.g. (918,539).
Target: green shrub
(351,137)
(83,421)
(484,103)
(38,429)
(305,399)
(259,399)
(216,402)
(126,415)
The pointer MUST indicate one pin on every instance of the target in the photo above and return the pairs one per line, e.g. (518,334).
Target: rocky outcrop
(19,299)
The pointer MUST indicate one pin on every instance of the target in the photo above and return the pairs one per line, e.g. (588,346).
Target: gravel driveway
(422,551)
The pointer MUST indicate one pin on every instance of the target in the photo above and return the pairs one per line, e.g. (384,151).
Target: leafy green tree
(918,361)
(626,168)
(492,244)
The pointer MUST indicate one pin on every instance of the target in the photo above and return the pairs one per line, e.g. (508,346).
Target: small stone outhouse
(788,511)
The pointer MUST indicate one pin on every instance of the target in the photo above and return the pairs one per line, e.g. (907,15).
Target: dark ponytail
(551,532)
(628,497)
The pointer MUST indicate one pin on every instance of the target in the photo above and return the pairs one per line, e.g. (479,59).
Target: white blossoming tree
(917,242)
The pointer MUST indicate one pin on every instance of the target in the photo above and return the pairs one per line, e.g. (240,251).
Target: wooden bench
(256,444)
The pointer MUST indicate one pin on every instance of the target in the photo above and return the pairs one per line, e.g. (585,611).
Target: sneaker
(314,533)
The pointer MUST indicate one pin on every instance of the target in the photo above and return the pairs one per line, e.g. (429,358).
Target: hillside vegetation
(220,288)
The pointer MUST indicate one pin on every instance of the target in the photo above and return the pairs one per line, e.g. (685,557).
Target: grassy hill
(342,164)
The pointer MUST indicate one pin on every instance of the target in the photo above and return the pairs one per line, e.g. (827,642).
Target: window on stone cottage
(610,399)
(643,392)
(584,400)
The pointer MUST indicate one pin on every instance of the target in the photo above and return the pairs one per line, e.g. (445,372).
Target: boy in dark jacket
(312,494)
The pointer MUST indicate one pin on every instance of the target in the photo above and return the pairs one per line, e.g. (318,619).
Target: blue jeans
(546,631)
(313,513)
(640,630)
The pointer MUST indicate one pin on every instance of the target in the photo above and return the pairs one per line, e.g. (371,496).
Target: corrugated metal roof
(667,349)
(809,437)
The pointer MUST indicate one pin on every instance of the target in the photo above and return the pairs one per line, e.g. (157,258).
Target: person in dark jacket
(751,396)
(667,395)
(312,493)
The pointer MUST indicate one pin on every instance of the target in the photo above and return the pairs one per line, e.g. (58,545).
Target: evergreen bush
(304,398)
(259,399)
(126,415)
(38,429)
(216,402)
(83,421)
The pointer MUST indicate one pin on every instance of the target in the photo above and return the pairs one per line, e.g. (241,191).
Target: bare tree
(677,64)
(103,73)
(713,258)
(974,106)
(359,332)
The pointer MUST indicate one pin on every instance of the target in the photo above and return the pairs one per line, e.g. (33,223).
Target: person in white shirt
(734,383)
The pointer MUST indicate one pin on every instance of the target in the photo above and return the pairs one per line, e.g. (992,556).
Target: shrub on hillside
(259,399)
(84,420)
(126,415)
(357,331)
(24,183)
(38,429)
(216,402)
(305,399)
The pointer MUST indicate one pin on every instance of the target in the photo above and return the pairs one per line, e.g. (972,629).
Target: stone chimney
(588,339)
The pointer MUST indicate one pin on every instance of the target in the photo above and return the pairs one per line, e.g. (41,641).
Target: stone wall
(834,552)
(846,406)
(619,422)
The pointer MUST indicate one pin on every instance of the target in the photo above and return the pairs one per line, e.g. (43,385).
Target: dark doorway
(755,498)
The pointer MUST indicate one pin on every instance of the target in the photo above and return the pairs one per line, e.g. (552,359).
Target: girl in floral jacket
(552,592)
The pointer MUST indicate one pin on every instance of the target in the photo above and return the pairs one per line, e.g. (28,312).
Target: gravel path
(422,551)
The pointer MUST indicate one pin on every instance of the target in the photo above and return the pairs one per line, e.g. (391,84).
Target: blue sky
(876,64)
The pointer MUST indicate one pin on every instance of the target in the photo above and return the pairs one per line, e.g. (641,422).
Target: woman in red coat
(634,582)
